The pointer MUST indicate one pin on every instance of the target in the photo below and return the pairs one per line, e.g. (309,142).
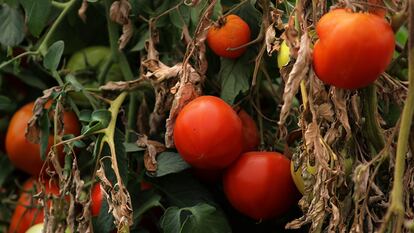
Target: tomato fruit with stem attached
(208,133)
(24,154)
(28,211)
(230,32)
(259,185)
(353,48)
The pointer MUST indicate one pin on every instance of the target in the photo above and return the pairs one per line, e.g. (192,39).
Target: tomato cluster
(24,154)
(29,212)
(211,136)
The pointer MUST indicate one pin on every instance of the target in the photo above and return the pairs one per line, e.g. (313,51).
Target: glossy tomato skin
(259,185)
(251,137)
(233,33)
(353,48)
(23,216)
(96,199)
(208,133)
(24,154)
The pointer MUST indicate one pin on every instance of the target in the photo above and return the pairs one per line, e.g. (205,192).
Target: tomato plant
(24,154)
(28,211)
(340,55)
(174,145)
(270,192)
(230,33)
(208,133)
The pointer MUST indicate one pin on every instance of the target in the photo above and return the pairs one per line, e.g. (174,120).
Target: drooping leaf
(170,162)
(199,218)
(11,26)
(53,55)
(6,104)
(234,76)
(37,13)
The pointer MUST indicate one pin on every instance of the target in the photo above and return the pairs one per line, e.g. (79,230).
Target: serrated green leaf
(171,220)
(234,76)
(37,13)
(53,55)
(170,162)
(11,26)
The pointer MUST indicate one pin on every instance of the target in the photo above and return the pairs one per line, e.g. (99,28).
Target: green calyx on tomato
(283,57)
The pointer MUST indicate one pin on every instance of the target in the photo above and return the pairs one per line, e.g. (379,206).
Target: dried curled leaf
(82,10)
(119,11)
(153,148)
(33,132)
(118,198)
(187,91)
(127,32)
(339,99)
(122,85)
(272,43)
(298,73)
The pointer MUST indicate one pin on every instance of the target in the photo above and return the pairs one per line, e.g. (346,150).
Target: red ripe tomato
(259,185)
(28,211)
(231,33)
(24,154)
(97,195)
(208,133)
(251,137)
(353,48)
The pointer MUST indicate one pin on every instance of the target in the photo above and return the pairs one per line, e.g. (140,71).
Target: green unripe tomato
(38,228)
(94,58)
(283,57)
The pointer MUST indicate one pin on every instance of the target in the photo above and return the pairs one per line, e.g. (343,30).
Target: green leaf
(234,76)
(6,168)
(6,104)
(171,220)
(37,13)
(11,26)
(44,133)
(132,147)
(99,120)
(150,202)
(170,162)
(182,189)
(104,222)
(201,218)
(180,16)
(53,55)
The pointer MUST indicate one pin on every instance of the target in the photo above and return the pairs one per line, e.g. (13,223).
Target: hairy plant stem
(120,58)
(371,127)
(396,207)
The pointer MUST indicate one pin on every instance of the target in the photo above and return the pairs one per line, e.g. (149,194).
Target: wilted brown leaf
(153,148)
(127,33)
(82,10)
(119,11)
(298,73)
(339,99)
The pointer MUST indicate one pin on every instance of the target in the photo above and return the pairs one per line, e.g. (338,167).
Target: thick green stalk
(397,192)
(372,128)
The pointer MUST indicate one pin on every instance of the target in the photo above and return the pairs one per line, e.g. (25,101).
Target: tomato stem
(372,127)
(397,207)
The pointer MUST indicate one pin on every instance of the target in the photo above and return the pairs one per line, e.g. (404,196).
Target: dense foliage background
(344,141)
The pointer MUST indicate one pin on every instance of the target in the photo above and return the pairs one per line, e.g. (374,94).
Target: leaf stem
(4,64)
(66,7)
